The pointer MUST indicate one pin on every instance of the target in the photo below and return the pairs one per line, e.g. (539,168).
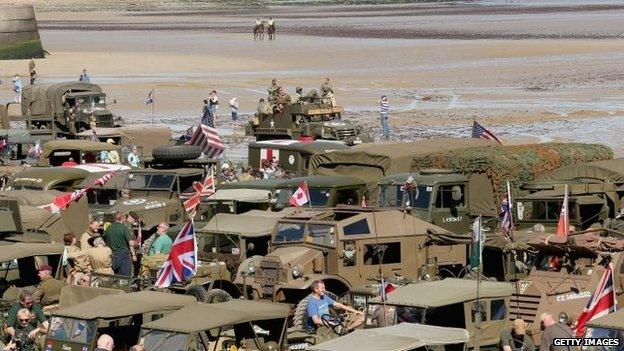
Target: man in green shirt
(26,301)
(121,241)
(163,243)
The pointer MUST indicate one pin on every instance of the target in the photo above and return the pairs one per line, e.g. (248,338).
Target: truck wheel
(176,152)
(216,296)
(198,291)
(300,317)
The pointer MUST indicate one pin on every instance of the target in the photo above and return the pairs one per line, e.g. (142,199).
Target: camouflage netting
(514,163)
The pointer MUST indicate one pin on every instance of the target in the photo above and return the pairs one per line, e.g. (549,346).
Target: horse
(271,32)
(259,32)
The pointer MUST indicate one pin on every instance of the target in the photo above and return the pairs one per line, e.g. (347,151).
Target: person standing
(213,103)
(272,89)
(119,238)
(553,330)
(163,243)
(384,108)
(84,77)
(32,71)
(93,230)
(234,107)
(17,88)
(133,158)
(100,256)
(207,117)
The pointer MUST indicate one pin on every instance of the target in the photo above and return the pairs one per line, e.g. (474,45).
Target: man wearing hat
(515,339)
(49,290)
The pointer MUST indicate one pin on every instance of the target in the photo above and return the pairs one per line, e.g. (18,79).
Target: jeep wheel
(198,291)
(300,317)
(170,153)
(217,296)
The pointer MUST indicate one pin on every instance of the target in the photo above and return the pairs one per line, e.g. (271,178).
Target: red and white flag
(301,196)
(62,201)
(601,302)
(194,195)
(208,139)
(269,154)
(563,226)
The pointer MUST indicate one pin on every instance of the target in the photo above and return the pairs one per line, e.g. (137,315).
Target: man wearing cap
(26,301)
(515,339)
(553,330)
(120,240)
(49,290)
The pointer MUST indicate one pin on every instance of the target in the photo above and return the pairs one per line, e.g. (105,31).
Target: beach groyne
(19,34)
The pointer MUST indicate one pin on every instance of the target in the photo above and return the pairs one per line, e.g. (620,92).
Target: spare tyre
(171,153)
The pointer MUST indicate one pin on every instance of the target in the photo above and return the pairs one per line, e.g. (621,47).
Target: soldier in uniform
(297,95)
(326,88)
(49,290)
(100,255)
(272,89)
(93,230)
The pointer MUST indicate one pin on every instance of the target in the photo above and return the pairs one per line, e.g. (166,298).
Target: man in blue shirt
(318,307)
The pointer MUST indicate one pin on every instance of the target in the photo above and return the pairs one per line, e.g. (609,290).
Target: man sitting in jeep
(318,309)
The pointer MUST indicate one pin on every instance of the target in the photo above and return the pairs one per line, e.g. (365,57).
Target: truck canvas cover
(609,170)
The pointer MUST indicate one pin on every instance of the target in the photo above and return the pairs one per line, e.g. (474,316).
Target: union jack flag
(194,195)
(479,132)
(601,302)
(62,201)
(208,139)
(182,261)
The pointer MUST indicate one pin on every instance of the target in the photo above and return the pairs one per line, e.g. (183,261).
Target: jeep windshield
(534,210)
(395,196)
(319,197)
(319,234)
(64,329)
(160,340)
(386,315)
(150,181)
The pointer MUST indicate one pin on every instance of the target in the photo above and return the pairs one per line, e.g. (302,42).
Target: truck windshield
(150,181)
(530,210)
(319,234)
(97,101)
(318,196)
(395,196)
(160,340)
(72,330)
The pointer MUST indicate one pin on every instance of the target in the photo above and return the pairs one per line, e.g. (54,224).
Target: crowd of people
(269,169)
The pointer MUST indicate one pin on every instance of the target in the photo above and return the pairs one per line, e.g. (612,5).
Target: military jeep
(64,108)
(345,247)
(316,120)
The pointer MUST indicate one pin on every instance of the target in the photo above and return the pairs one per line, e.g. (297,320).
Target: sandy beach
(527,70)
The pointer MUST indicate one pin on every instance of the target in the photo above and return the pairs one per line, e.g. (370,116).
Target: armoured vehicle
(563,274)
(456,303)
(346,247)
(64,108)
(292,155)
(316,120)
(223,326)
(79,326)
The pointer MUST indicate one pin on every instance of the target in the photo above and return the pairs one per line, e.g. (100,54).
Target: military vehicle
(19,143)
(146,137)
(64,109)
(292,155)
(456,303)
(316,120)
(79,326)
(346,247)
(63,179)
(223,326)
(231,238)
(404,336)
(611,326)
(563,274)
(235,201)
(55,152)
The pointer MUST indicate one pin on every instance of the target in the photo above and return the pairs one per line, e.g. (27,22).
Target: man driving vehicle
(318,309)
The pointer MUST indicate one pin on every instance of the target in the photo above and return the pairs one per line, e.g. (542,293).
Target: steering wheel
(333,323)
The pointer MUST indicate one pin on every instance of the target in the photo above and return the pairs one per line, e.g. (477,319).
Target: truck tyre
(198,291)
(300,317)
(217,295)
(169,153)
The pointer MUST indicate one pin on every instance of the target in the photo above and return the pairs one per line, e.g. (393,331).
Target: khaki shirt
(80,258)
(84,240)
(101,259)
(48,292)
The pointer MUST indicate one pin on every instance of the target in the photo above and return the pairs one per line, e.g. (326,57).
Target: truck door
(449,208)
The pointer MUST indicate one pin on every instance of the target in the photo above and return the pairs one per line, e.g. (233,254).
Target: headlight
(296,271)
(251,267)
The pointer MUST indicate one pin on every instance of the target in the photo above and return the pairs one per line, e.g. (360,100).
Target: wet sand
(518,69)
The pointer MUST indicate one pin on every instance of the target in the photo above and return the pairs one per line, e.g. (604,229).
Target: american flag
(601,302)
(478,131)
(194,195)
(62,201)
(208,139)
(150,97)
(182,261)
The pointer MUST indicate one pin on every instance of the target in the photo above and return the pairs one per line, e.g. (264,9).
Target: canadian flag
(563,226)
(301,196)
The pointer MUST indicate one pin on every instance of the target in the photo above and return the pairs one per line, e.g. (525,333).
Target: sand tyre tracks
(170,153)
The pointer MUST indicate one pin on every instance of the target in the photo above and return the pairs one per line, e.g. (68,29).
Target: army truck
(292,155)
(564,273)
(346,247)
(78,327)
(316,120)
(145,137)
(64,109)
(455,303)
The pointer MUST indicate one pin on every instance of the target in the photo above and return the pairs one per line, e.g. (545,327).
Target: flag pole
(476,345)
(510,204)
(153,102)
